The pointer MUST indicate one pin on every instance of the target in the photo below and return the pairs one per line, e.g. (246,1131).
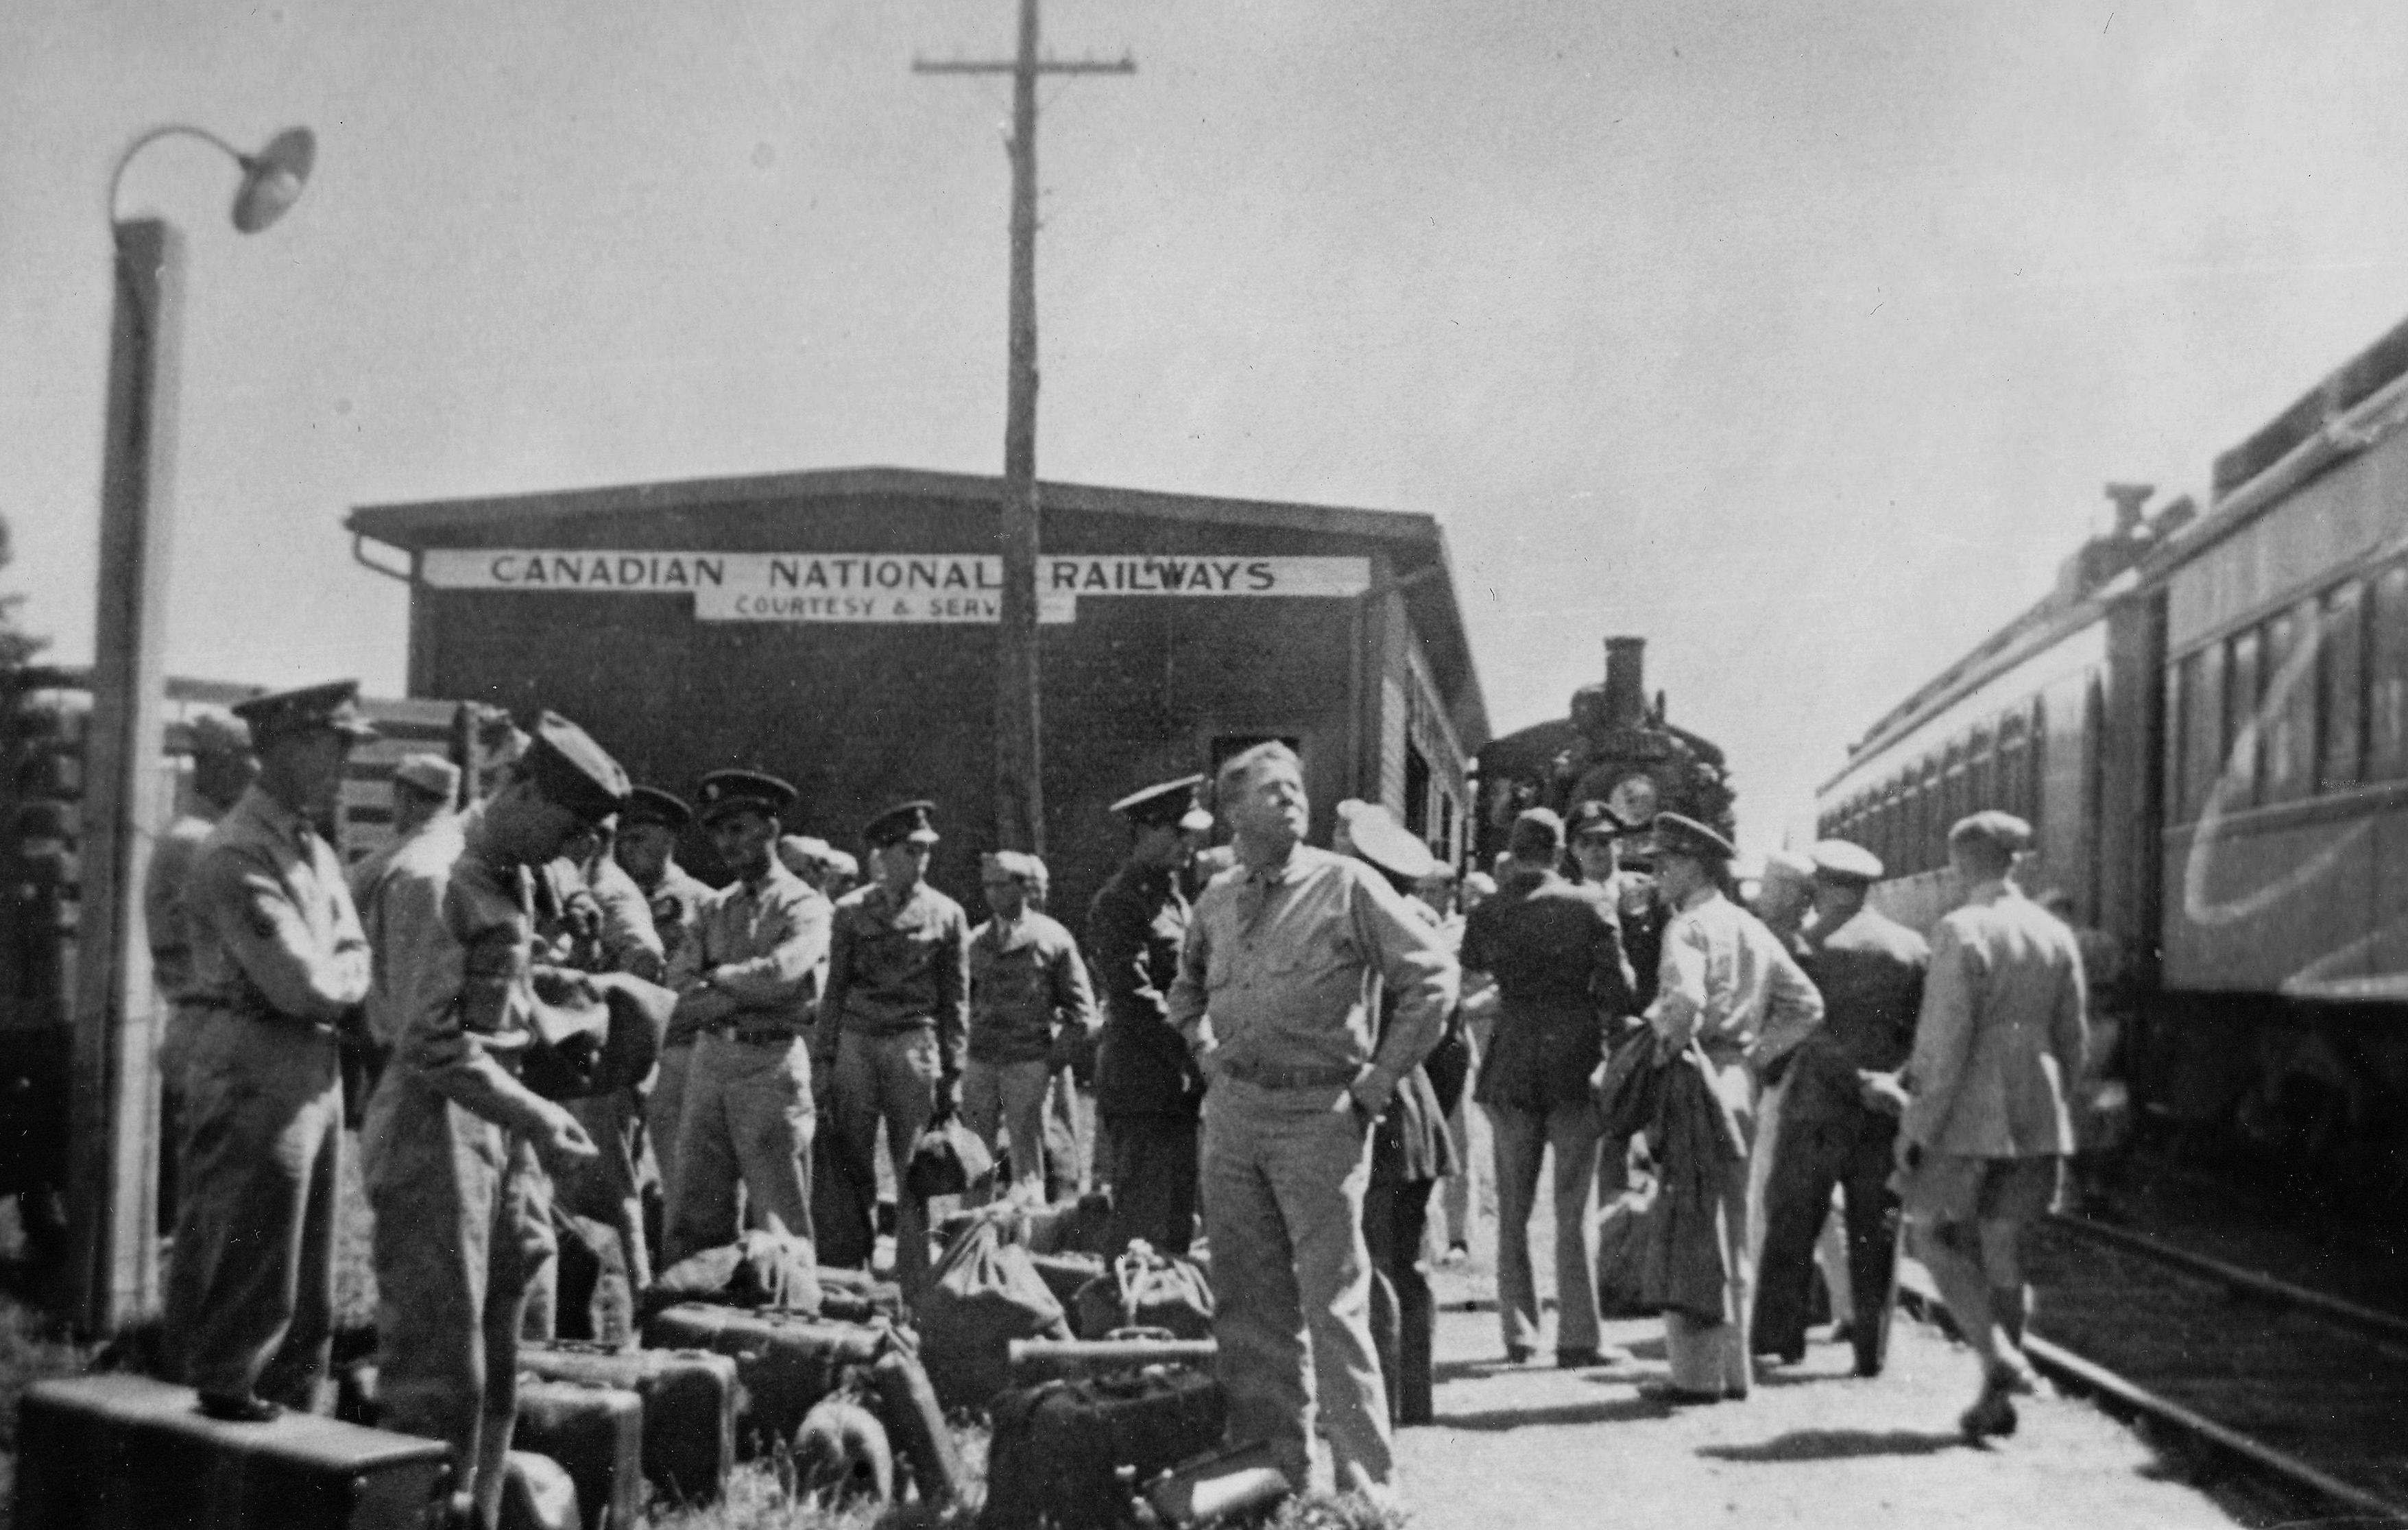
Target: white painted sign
(879,586)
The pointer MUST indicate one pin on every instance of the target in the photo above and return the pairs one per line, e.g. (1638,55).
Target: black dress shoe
(1581,1359)
(238,1407)
(1517,1354)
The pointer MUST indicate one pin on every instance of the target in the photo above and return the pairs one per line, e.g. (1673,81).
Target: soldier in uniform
(1148,1089)
(843,874)
(749,985)
(1030,1011)
(1729,993)
(1563,986)
(646,850)
(455,1147)
(425,789)
(279,966)
(1869,971)
(897,1005)
(222,770)
(1272,993)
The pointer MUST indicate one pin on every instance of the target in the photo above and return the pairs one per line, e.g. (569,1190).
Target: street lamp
(113,1107)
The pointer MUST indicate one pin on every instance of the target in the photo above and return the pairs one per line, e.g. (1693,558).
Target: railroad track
(2302,1386)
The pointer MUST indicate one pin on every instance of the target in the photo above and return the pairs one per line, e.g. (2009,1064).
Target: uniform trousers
(463,1226)
(1011,1096)
(1070,1137)
(250,1292)
(607,1188)
(1849,1147)
(664,1107)
(1285,1173)
(1520,1138)
(894,1078)
(1151,1162)
(1404,1315)
(746,1124)
(1714,1357)
(176,1037)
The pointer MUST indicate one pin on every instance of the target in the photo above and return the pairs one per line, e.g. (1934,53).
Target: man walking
(1870,972)
(1030,1010)
(1148,1091)
(279,966)
(1554,950)
(748,987)
(452,1140)
(1986,1132)
(892,1025)
(1272,996)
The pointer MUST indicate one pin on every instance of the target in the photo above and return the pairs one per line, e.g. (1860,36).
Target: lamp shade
(273,178)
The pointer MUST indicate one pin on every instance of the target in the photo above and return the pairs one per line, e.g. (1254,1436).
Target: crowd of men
(1288,1054)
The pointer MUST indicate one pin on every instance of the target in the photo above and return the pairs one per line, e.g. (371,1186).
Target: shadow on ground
(1834,1445)
(1605,1410)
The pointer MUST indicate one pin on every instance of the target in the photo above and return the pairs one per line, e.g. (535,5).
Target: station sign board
(964,588)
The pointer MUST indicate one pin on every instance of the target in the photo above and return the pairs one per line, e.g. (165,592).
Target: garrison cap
(1539,828)
(333,707)
(1596,817)
(1842,861)
(573,770)
(911,822)
(217,733)
(1166,802)
(650,805)
(1379,839)
(1676,835)
(432,774)
(2009,833)
(1019,865)
(743,791)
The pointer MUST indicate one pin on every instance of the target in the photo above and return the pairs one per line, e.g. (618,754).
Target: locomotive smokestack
(1625,688)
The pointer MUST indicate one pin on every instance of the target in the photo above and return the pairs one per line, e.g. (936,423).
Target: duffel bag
(1059,1449)
(1066,1276)
(1146,1289)
(984,1294)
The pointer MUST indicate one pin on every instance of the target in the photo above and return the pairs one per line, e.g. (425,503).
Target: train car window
(1933,850)
(1981,778)
(2036,766)
(2242,740)
(1952,782)
(2386,675)
(2205,728)
(2177,736)
(2008,774)
(2290,725)
(2340,687)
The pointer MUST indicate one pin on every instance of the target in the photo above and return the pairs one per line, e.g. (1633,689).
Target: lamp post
(113,1108)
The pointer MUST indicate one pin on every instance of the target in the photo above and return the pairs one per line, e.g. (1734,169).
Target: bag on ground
(984,1294)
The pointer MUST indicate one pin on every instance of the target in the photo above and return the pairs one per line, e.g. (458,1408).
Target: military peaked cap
(432,774)
(1166,802)
(1596,817)
(743,791)
(911,822)
(1676,835)
(1379,839)
(333,707)
(650,805)
(573,770)
(1841,861)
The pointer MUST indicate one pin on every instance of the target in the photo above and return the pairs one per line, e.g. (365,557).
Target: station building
(839,628)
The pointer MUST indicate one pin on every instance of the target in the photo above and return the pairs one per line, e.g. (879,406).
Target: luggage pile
(1097,1378)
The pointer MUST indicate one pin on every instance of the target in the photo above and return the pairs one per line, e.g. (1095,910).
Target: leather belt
(1264,1077)
(762,1035)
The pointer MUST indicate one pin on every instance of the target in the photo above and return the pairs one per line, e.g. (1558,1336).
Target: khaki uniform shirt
(1027,980)
(895,966)
(1281,966)
(764,945)
(1727,983)
(273,930)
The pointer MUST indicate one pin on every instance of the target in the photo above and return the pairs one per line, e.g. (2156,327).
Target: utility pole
(1019,773)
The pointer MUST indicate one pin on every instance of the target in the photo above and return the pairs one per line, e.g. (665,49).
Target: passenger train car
(2207,724)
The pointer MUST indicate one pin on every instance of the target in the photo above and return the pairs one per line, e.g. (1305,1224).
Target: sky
(1797,336)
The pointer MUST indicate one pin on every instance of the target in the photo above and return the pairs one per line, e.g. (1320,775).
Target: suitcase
(538,1495)
(1035,1361)
(1064,1273)
(598,1434)
(1059,1449)
(689,1398)
(784,1363)
(855,1296)
(97,1452)
(915,1421)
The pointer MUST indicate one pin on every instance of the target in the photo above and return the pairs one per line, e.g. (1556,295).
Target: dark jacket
(1555,948)
(1695,1141)
(1869,971)
(1134,929)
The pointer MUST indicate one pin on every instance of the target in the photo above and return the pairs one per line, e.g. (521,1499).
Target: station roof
(1414,540)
